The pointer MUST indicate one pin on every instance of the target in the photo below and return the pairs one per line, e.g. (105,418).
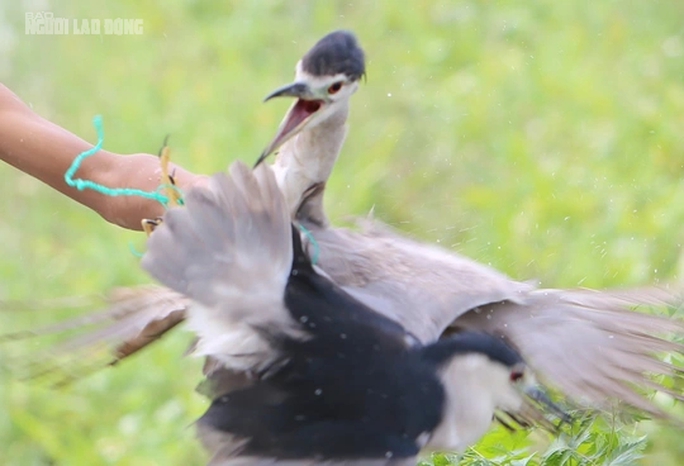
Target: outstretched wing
(132,318)
(229,250)
(421,286)
(590,344)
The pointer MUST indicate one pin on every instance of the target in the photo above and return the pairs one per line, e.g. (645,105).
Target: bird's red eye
(516,375)
(335,88)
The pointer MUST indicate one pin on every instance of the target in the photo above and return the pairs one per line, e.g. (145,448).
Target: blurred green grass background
(541,137)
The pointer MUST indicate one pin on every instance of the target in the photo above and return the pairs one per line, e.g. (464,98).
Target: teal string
(313,242)
(173,187)
(134,251)
(82,184)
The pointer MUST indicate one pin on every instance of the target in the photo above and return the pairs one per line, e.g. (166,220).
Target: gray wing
(590,344)
(135,318)
(229,250)
(250,256)
(423,287)
(131,319)
(155,310)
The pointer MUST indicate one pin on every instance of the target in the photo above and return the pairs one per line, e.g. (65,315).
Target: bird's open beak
(299,114)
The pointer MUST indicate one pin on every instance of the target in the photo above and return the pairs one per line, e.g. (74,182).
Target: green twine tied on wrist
(82,184)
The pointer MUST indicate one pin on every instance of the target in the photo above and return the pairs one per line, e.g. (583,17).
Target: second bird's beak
(539,395)
(298,115)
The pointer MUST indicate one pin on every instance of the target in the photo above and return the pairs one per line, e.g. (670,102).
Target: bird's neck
(304,163)
(469,404)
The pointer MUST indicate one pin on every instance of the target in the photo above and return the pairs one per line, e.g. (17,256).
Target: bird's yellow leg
(167,181)
(167,186)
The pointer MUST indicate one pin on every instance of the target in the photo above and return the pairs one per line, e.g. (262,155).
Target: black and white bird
(331,381)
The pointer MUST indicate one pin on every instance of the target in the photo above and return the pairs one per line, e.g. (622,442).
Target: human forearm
(45,151)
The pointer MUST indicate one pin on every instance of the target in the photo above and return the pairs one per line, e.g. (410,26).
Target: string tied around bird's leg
(314,243)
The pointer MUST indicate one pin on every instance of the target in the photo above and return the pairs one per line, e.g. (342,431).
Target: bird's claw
(149,224)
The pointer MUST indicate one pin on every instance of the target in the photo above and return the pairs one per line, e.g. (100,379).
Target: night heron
(590,344)
(332,381)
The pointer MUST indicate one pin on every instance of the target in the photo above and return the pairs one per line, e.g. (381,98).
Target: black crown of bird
(402,302)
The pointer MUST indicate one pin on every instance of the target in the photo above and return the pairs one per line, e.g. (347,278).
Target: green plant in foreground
(590,440)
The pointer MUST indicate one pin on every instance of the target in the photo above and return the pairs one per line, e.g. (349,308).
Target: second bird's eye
(516,375)
(334,88)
